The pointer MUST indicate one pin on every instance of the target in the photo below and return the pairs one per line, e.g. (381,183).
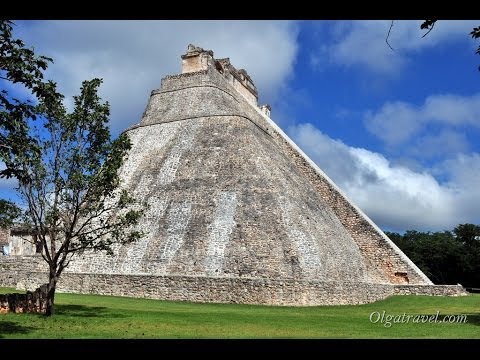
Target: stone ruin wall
(13,268)
(27,273)
(284,292)
(197,60)
(31,302)
(18,240)
(4,236)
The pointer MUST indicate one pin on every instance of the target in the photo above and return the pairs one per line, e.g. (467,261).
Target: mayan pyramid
(238,213)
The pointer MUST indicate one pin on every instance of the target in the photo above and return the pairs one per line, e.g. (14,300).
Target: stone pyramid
(238,213)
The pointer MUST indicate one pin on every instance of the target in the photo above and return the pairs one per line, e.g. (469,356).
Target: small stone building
(17,241)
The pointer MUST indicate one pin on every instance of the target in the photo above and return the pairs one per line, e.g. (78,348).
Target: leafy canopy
(66,163)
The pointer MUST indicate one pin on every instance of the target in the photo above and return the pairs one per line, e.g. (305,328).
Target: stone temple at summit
(237,212)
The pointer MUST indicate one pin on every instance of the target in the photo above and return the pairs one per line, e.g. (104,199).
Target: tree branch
(388,35)
(428,32)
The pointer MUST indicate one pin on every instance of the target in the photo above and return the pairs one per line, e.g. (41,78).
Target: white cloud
(397,123)
(132,56)
(7,187)
(394,196)
(363,42)
(453,109)
(464,173)
(439,144)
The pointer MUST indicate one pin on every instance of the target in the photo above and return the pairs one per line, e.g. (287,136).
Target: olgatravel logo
(388,319)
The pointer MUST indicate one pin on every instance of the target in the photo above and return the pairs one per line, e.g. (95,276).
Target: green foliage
(446,257)
(9,212)
(19,65)
(429,24)
(71,189)
(467,234)
(476,34)
(109,317)
(66,164)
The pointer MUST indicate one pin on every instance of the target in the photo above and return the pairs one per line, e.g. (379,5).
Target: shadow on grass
(10,327)
(86,311)
(473,319)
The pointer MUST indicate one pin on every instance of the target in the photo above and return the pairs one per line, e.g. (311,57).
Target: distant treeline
(446,257)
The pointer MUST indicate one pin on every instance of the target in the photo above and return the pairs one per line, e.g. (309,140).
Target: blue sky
(397,130)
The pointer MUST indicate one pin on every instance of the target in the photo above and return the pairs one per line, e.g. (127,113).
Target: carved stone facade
(238,213)
(197,59)
(17,241)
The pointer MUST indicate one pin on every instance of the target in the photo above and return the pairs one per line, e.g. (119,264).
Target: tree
(447,257)
(72,187)
(437,254)
(68,174)
(19,65)
(9,212)
(429,25)
(467,234)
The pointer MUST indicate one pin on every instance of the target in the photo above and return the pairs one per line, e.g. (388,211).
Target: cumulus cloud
(463,171)
(397,123)
(438,145)
(362,43)
(7,187)
(132,56)
(394,196)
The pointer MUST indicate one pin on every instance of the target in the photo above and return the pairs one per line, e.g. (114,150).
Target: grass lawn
(110,317)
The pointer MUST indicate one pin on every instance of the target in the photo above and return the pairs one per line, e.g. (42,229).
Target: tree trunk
(52,284)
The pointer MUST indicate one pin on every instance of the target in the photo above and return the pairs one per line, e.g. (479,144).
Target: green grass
(92,316)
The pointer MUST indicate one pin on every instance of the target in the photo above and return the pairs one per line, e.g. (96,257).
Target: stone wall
(4,236)
(436,290)
(28,273)
(21,244)
(197,59)
(31,302)
(13,268)
(4,240)
(235,290)
(18,240)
